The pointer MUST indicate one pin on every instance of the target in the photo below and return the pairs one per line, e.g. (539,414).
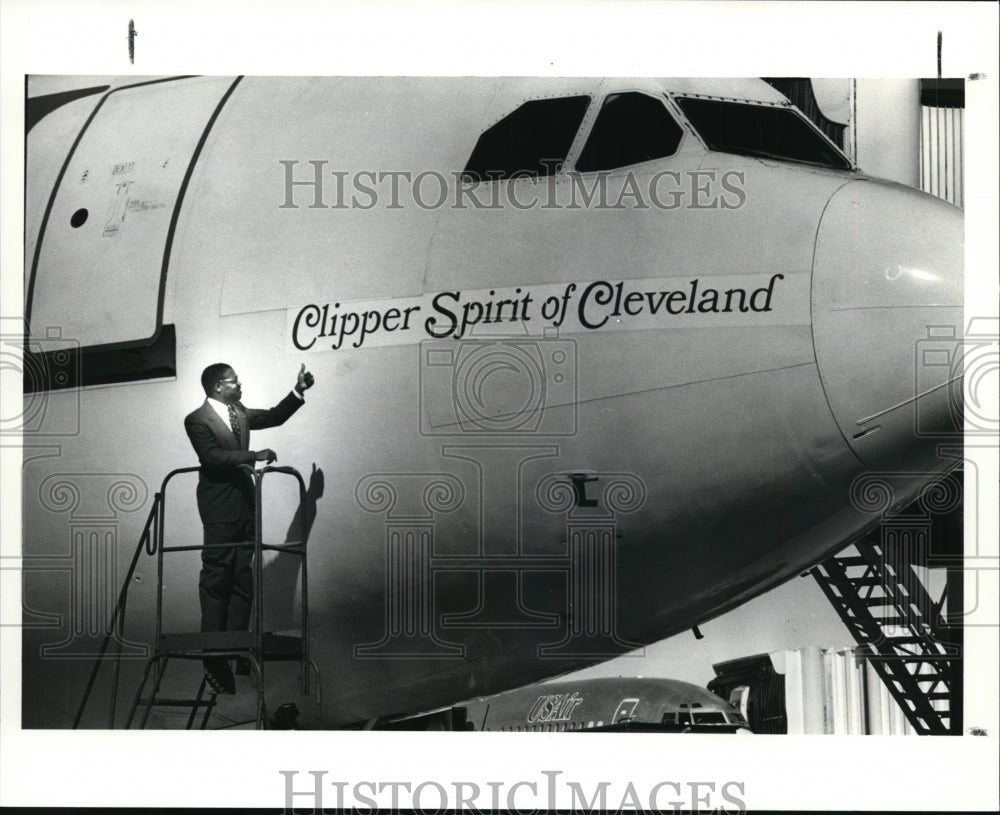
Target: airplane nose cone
(887,305)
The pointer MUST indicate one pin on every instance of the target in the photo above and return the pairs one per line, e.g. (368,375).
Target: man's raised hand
(305,380)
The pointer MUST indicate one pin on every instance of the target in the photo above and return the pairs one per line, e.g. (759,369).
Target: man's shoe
(219,676)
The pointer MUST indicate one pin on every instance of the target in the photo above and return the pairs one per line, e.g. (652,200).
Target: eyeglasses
(234,381)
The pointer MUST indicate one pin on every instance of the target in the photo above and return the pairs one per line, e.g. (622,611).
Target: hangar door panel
(97,277)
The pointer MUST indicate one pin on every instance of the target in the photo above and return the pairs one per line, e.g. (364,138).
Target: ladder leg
(208,710)
(316,685)
(197,701)
(161,669)
(256,669)
(138,692)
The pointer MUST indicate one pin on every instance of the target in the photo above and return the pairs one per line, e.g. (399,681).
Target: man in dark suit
(220,433)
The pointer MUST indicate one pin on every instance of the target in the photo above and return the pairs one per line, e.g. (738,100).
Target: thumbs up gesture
(305,380)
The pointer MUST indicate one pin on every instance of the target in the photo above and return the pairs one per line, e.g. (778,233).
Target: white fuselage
(456,435)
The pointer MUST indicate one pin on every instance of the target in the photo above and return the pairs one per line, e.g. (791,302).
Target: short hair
(211,375)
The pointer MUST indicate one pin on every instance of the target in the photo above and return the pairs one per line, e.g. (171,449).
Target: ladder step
(910,658)
(883,660)
(178,702)
(906,640)
(931,658)
(918,680)
(895,621)
(922,695)
(274,646)
(850,560)
(864,586)
(906,659)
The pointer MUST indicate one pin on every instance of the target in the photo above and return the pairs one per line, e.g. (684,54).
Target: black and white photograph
(425,405)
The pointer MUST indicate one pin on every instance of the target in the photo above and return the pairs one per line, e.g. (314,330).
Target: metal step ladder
(199,702)
(246,645)
(882,601)
(255,647)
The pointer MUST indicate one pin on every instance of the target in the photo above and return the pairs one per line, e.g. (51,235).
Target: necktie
(234,422)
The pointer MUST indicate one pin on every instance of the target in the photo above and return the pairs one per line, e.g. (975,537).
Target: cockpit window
(531,142)
(631,128)
(690,717)
(760,130)
(709,717)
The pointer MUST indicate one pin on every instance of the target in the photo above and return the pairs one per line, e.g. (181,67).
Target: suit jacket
(225,491)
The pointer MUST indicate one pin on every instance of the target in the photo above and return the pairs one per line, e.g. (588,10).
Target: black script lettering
(312,317)
(431,322)
(603,296)
(709,301)
(674,296)
(630,298)
(654,305)
(729,296)
(694,291)
(767,291)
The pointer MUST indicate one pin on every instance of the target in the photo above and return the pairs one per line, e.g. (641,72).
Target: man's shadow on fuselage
(281,574)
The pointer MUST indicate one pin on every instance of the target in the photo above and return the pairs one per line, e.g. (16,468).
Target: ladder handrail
(116,624)
(151,540)
(113,627)
(258,477)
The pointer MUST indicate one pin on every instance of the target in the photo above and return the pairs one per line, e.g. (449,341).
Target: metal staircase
(255,646)
(881,599)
